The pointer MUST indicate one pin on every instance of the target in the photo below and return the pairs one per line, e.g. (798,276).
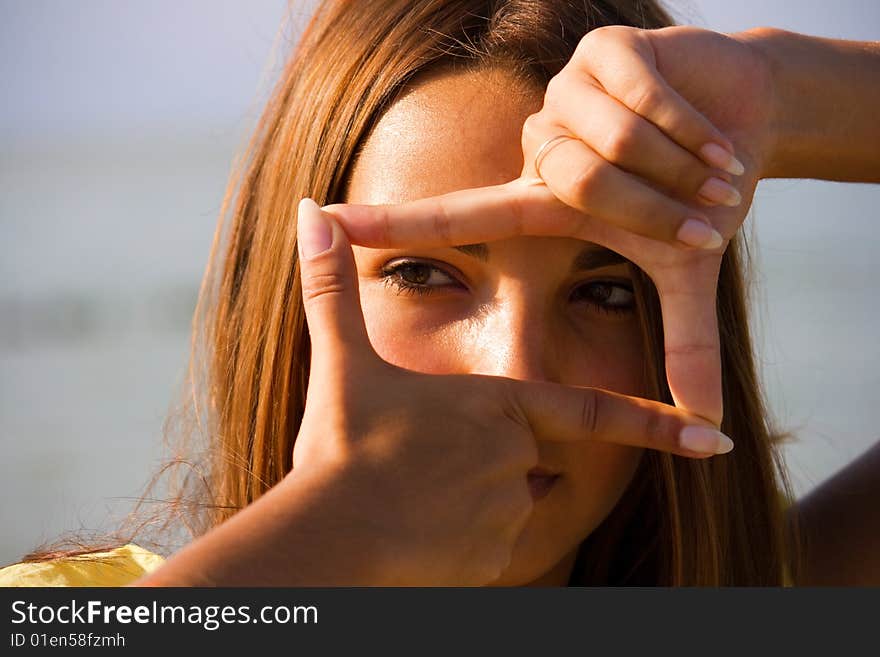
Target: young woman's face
(548,309)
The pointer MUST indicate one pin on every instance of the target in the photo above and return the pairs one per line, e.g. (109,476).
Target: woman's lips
(541,481)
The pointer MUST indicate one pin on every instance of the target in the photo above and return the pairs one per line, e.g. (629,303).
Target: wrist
(824,94)
(302,532)
(761,42)
(328,531)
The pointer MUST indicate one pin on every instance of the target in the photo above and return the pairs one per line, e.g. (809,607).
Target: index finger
(468,216)
(566,413)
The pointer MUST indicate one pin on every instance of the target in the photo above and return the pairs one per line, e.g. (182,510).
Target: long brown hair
(681,522)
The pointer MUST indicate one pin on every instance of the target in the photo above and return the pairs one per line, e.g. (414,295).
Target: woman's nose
(515,340)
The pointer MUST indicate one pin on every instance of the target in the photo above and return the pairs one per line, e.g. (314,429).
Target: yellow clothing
(117,567)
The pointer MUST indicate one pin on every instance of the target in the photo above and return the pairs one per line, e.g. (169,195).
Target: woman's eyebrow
(595,257)
(479,251)
(591,257)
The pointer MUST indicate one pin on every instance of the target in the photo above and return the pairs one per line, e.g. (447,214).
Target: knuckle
(695,349)
(532,130)
(589,412)
(556,89)
(508,392)
(385,225)
(585,43)
(605,35)
(517,208)
(441,223)
(645,100)
(587,179)
(322,284)
(622,143)
(597,37)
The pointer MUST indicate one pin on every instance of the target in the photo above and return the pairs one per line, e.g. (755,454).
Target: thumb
(329,288)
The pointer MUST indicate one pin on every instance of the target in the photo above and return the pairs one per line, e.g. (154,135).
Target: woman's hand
(644,172)
(655,117)
(402,478)
(434,467)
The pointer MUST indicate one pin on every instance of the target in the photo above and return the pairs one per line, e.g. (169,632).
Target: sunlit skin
(532,308)
(342,516)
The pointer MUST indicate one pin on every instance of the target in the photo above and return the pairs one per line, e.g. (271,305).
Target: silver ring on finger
(545,148)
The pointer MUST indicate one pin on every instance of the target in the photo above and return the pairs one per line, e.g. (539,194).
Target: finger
(632,143)
(462,217)
(330,288)
(586,181)
(520,207)
(691,338)
(563,413)
(623,62)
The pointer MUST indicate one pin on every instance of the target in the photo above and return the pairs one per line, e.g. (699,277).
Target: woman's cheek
(617,364)
(443,338)
(408,337)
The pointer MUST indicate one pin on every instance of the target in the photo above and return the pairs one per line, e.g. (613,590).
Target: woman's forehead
(450,130)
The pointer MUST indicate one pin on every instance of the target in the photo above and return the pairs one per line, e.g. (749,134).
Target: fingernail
(720,157)
(314,233)
(716,190)
(704,440)
(699,234)
(333,207)
(348,214)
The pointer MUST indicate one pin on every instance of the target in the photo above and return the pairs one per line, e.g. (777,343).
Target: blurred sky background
(119,122)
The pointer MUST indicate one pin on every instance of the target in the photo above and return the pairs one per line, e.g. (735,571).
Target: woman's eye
(417,277)
(606,295)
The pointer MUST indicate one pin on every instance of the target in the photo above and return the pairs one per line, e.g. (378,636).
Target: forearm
(840,525)
(827,101)
(292,536)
